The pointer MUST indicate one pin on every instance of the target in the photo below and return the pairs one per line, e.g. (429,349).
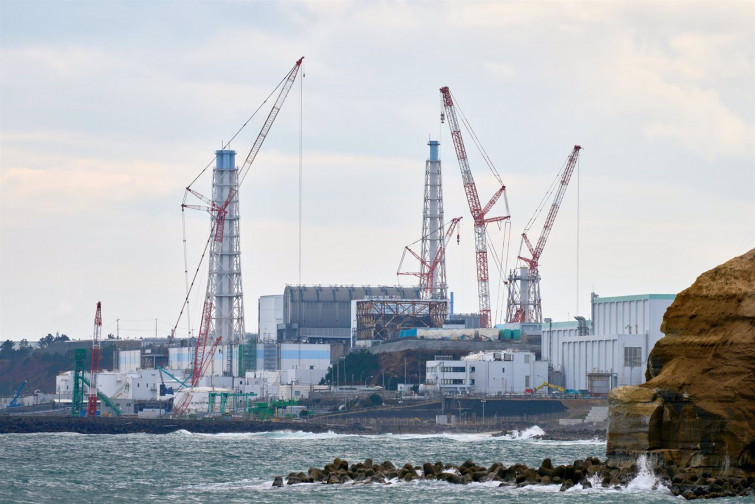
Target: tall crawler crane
(208,339)
(92,400)
(479,214)
(429,279)
(524,301)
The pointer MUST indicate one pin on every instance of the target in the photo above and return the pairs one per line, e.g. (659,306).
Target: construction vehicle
(524,303)
(14,401)
(165,390)
(479,214)
(549,385)
(92,400)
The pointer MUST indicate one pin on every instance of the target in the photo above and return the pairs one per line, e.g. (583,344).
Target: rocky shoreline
(586,473)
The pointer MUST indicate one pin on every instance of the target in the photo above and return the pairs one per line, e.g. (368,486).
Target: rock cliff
(696,412)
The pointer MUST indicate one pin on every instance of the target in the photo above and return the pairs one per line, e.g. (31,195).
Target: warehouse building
(322,313)
(612,348)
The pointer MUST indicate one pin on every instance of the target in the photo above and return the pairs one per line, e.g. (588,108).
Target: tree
(61,338)
(45,342)
(6,347)
(24,346)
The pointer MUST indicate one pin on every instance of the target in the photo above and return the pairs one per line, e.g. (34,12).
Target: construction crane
(479,213)
(206,346)
(427,278)
(524,301)
(14,402)
(92,401)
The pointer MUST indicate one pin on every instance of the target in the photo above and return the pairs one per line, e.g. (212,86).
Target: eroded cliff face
(697,409)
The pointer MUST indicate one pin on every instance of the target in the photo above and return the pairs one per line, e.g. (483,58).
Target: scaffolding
(383,319)
(79,358)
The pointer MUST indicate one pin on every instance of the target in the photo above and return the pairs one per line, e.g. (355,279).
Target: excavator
(546,384)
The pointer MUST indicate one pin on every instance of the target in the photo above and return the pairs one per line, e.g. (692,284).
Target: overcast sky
(108,110)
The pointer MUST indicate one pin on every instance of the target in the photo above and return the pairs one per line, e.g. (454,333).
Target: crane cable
(226,144)
(507,224)
(193,280)
(476,141)
(546,197)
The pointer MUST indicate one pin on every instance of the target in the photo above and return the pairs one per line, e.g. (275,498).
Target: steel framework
(384,318)
(92,400)
(432,270)
(433,276)
(479,214)
(223,316)
(524,301)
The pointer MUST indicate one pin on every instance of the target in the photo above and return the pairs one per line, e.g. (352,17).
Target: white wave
(645,480)
(284,435)
(225,486)
(461,437)
(528,433)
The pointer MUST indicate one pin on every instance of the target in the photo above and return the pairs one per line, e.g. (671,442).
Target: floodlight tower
(433,226)
(225,261)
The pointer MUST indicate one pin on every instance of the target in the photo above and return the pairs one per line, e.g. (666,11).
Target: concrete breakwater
(585,473)
(35,424)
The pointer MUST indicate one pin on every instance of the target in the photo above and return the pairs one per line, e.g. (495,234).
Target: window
(455,381)
(471,382)
(508,357)
(632,356)
(526,382)
(527,359)
(455,369)
(472,370)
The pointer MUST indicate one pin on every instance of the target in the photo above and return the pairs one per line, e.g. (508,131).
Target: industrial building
(611,349)
(486,373)
(269,317)
(322,313)
(300,366)
(385,319)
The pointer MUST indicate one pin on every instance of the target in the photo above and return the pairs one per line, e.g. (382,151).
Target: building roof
(638,297)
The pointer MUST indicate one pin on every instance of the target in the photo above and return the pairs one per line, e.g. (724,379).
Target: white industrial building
(487,373)
(279,371)
(612,349)
(269,316)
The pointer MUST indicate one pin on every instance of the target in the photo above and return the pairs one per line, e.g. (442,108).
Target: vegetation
(355,369)
(47,340)
(39,366)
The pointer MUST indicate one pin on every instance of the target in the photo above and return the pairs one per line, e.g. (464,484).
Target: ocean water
(228,468)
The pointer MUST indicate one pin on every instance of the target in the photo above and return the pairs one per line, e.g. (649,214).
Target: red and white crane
(479,213)
(426,275)
(524,301)
(92,400)
(207,344)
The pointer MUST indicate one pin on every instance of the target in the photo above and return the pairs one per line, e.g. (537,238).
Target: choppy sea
(208,468)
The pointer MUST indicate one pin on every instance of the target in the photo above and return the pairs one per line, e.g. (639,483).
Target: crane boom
(92,400)
(203,353)
(427,278)
(524,300)
(555,206)
(478,212)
